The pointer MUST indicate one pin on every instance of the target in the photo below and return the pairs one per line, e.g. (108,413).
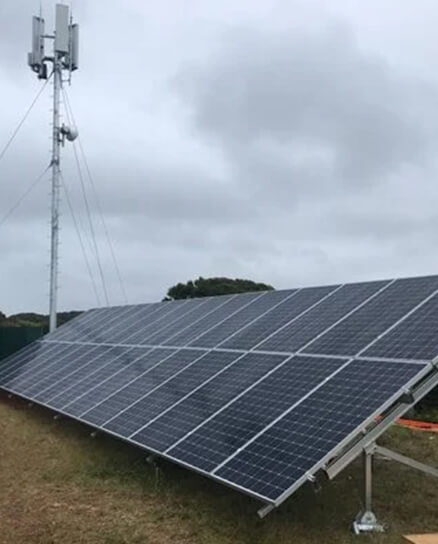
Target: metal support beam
(265,510)
(422,467)
(151,459)
(336,466)
(366,521)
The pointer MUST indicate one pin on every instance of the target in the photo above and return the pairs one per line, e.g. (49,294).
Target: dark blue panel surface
(222,435)
(416,337)
(212,319)
(65,390)
(301,331)
(24,363)
(70,330)
(152,378)
(285,452)
(256,332)
(137,325)
(185,416)
(59,369)
(103,384)
(357,331)
(93,330)
(242,318)
(201,309)
(144,316)
(154,404)
(186,312)
(29,373)
(11,365)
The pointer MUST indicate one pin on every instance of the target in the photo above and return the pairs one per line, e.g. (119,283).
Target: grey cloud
(287,152)
(315,89)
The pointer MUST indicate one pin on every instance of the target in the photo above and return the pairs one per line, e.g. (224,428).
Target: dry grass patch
(57,485)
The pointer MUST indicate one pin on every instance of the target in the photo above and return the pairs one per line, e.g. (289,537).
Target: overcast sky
(288,142)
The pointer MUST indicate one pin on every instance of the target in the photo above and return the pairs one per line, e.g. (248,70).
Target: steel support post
(366,521)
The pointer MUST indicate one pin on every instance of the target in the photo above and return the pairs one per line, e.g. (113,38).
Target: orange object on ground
(422,539)
(415,425)
(419,426)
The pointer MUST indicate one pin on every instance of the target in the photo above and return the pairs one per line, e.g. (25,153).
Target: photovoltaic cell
(48,376)
(154,403)
(91,321)
(212,319)
(185,416)
(71,328)
(209,308)
(189,313)
(142,317)
(146,326)
(233,323)
(285,452)
(416,337)
(79,383)
(231,428)
(57,393)
(20,378)
(256,332)
(152,378)
(95,391)
(17,363)
(94,330)
(98,330)
(301,331)
(363,326)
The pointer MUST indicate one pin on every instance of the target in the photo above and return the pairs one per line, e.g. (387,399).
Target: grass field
(57,485)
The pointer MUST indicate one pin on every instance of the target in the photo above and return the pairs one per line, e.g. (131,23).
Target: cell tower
(64,60)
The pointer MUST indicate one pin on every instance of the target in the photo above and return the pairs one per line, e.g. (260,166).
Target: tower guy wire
(29,189)
(89,217)
(71,116)
(23,119)
(79,235)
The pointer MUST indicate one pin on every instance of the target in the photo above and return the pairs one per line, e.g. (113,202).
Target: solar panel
(145,382)
(294,335)
(416,337)
(374,318)
(248,315)
(234,424)
(306,434)
(193,331)
(92,393)
(257,391)
(181,418)
(153,403)
(291,308)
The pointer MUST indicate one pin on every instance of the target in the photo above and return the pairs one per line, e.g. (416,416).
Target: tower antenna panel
(62,37)
(36,56)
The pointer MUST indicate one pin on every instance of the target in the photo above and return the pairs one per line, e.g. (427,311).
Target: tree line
(200,287)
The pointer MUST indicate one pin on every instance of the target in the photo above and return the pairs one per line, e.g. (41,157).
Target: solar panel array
(254,390)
